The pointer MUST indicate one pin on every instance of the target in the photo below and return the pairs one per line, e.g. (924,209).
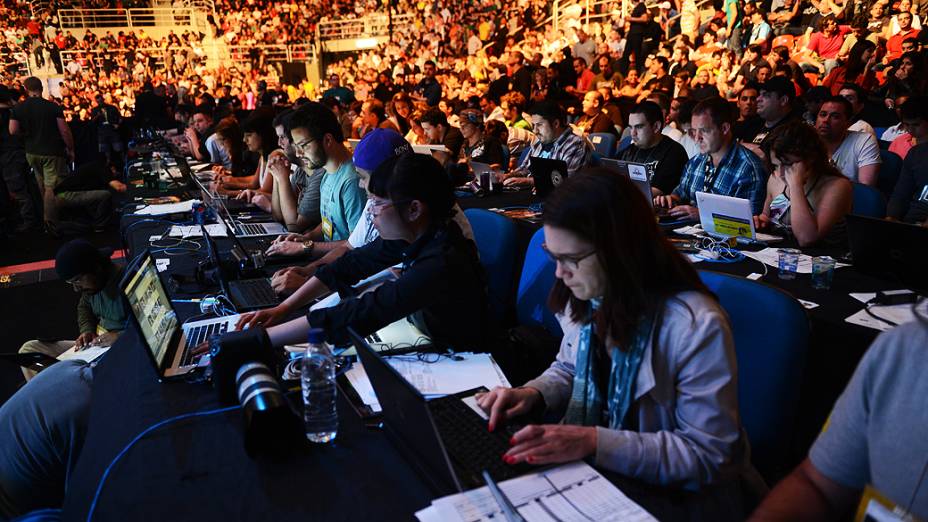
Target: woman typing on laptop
(806,194)
(412,209)
(645,378)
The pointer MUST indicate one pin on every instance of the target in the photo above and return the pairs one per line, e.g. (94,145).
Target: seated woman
(478,145)
(260,139)
(412,204)
(645,379)
(806,194)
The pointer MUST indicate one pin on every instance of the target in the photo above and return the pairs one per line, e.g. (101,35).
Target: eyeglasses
(76,282)
(568,261)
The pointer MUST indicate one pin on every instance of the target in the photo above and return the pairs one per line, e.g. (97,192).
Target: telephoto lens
(267,415)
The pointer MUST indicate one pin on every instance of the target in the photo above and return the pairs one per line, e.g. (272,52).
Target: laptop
(245,294)
(898,251)
(429,149)
(207,196)
(726,216)
(547,174)
(444,439)
(168,342)
(250,229)
(640,175)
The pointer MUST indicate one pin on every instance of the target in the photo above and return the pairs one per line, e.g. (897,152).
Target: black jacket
(442,290)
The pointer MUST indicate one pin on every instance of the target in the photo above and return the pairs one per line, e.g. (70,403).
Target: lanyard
(710,173)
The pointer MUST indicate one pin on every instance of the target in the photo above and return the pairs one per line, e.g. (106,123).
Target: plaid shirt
(740,174)
(573,150)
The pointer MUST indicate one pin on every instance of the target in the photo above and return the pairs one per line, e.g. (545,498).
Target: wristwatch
(308,246)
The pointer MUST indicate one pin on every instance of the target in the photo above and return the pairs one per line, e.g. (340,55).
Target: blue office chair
(624,144)
(40,515)
(495,236)
(603,143)
(868,201)
(771,333)
(534,286)
(889,173)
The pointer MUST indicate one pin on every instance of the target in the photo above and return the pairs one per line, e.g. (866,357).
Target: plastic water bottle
(318,378)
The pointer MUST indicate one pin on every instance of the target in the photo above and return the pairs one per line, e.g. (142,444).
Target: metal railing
(599,10)
(370,26)
(232,53)
(144,17)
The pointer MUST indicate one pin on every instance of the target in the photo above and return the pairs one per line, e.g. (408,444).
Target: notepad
(89,354)
(169,208)
(573,491)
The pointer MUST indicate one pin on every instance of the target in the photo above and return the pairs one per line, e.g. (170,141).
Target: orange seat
(813,78)
(786,40)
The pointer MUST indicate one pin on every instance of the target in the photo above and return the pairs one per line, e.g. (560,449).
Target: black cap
(78,257)
(781,85)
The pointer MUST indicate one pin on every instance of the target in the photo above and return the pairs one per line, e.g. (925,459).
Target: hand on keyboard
(551,443)
(503,404)
(265,318)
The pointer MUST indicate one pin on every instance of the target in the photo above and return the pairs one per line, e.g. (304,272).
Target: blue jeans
(42,431)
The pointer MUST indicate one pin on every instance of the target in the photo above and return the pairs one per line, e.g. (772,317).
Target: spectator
(749,123)
(478,146)
(856,154)
(909,201)
(429,90)
(594,118)
(343,94)
(775,106)
(439,132)
(856,95)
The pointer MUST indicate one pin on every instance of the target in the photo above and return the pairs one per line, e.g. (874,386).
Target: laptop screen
(152,309)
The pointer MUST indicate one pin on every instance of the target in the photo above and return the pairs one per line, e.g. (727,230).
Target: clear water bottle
(318,378)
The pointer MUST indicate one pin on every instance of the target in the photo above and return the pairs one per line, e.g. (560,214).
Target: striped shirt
(573,150)
(740,174)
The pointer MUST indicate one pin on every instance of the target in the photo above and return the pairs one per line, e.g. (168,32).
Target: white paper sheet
(571,492)
(444,377)
(167,208)
(898,314)
(88,354)
(214,230)
(771,257)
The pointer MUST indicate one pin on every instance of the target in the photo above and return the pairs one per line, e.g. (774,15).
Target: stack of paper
(169,208)
(89,354)
(444,377)
(214,230)
(571,492)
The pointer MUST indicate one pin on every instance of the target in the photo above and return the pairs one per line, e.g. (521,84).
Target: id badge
(877,507)
(326,228)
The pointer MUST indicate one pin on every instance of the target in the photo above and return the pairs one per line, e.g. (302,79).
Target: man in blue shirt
(319,143)
(722,167)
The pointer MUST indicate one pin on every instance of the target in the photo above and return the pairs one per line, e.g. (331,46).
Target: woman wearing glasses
(645,379)
(412,205)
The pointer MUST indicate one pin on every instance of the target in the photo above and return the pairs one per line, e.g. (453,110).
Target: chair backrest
(785,40)
(534,286)
(603,143)
(771,333)
(624,144)
(868,201)
(889,172)
(523,155)
(495,236)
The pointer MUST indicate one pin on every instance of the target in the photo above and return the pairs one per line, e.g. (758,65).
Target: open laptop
(727,216)
(640,174)
(429,149)
(890,249)
(444,439)
(245,294)
(547,174)
(169,343)
(240,229)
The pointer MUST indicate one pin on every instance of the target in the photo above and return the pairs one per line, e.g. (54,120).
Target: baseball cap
(377,146)
(78,257)
(780,85)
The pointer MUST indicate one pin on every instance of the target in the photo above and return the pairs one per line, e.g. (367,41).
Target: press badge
(327,228)
(876,507)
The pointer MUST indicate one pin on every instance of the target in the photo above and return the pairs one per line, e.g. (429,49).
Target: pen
(509,511)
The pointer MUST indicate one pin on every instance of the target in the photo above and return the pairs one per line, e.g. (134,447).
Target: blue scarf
(586,399)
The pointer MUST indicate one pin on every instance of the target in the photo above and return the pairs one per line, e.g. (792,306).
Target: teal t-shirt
(341,201)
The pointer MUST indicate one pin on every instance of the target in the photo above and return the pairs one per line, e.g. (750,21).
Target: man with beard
(295,200)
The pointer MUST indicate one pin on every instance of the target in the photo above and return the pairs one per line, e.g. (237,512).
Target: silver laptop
(169,343)
(240,229)
(429,149)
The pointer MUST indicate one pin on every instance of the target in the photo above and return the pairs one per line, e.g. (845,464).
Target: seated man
(101,312)
(914,116)
(439,132)
(722,167)
(909,202)
(42,431)
(319,143)
(594,117)
(856,154)
(645,120)
(874,438)
(295,200)
(553,139)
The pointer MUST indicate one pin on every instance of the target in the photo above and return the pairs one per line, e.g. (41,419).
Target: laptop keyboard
(199,334)
(250,229)
(252,293)
(470,446)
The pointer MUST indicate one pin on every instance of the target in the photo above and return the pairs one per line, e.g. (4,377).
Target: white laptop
(428,149)
(727,216)
(169,343)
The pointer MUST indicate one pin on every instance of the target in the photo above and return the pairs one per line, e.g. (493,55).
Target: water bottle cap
(315,336)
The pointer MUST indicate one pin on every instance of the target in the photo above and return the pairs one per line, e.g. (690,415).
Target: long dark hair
(261,122)
(800,140)
(230,131)
(855,62)
(643,268)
